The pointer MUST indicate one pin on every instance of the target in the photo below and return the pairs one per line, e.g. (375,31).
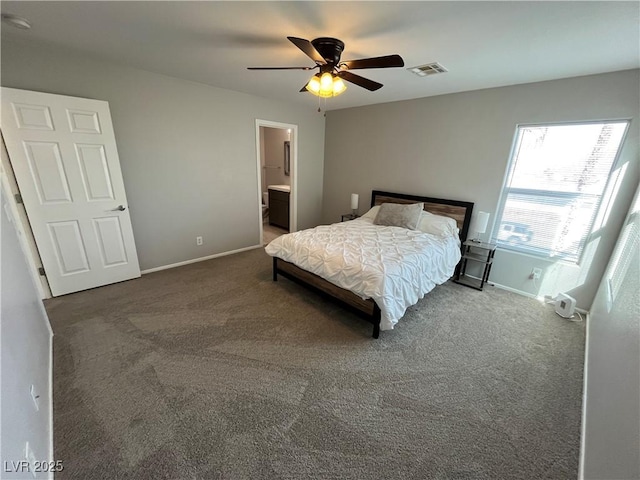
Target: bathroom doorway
(277,161)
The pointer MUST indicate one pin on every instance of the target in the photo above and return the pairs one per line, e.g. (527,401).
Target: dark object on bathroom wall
(287,158)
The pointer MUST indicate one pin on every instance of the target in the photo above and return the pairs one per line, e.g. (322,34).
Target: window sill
(554,260)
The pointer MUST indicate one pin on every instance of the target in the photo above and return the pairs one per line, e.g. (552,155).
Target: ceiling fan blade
(360,81)
(304,89)
(280,68)
(388,61)
(308,49)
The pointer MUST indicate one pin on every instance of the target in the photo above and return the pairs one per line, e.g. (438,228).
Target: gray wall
(187,150)
(457,146)
(25,357)
(612,426)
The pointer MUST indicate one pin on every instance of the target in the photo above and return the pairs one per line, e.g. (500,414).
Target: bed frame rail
(367,309)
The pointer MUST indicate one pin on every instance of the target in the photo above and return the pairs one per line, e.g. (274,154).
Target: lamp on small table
(479,225)
(354,204)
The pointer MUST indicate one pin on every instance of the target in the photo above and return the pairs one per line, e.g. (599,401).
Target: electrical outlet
(198,240)
(535,274)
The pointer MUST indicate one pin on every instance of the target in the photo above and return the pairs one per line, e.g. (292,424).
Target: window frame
(505,190)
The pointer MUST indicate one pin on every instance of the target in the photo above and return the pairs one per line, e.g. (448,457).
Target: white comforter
(394,266)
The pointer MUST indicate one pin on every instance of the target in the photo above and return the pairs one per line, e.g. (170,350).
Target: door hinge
(42,272)
(18,198)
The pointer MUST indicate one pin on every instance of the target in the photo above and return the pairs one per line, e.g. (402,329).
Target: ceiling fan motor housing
(330,49)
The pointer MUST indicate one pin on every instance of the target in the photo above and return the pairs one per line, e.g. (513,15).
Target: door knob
(119,208)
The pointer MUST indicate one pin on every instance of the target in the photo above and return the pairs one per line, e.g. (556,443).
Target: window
(554,185)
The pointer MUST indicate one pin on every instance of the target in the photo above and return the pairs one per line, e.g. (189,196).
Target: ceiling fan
(326,52)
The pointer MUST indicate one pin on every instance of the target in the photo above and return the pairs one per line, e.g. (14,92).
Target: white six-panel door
(63,153)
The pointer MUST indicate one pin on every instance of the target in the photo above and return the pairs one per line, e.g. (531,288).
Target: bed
(375,270)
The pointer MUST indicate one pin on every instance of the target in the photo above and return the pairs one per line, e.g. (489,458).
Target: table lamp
(354,204)
(479,226)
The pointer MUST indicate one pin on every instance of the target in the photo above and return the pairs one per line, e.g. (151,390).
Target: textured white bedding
(394,266)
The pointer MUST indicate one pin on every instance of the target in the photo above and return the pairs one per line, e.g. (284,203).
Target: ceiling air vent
(428,69)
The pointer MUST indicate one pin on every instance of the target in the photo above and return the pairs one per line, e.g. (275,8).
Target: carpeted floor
(213,371)
(271,232)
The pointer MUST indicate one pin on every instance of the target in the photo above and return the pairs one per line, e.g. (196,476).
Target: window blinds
(556,180)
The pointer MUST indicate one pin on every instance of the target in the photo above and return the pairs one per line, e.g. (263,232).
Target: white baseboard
(530,295)
(196,260)
(515,290)
(504,287)
(45,317)
(583,423)
(50,406)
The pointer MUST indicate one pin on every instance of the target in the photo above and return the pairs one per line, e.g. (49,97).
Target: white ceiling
(482,44)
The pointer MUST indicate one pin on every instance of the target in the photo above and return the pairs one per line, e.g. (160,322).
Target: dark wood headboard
(458,210)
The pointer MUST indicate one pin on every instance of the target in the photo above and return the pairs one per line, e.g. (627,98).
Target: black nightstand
(349,216)
(478,252)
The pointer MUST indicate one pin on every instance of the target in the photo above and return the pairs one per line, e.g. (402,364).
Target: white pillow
(437,225)
(373,211)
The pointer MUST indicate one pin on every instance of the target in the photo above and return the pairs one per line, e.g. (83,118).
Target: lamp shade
(481,221)
(354,201)
(338,86)
(314,85)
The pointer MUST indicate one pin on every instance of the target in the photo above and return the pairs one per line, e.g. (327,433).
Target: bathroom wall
(263,179)
(273,159)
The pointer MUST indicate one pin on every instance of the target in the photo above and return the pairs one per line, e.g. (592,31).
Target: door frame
(293,196)
(21,223)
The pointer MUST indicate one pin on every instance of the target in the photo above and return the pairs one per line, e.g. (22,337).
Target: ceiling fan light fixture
(314,85)
(326,85)
(326,82)
(338,86)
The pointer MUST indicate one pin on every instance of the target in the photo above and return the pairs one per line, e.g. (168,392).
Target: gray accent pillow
(399,215)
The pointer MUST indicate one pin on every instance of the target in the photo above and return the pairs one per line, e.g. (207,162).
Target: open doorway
(277,161)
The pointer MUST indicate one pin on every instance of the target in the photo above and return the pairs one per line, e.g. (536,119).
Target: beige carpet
(213,371)
(271,232)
